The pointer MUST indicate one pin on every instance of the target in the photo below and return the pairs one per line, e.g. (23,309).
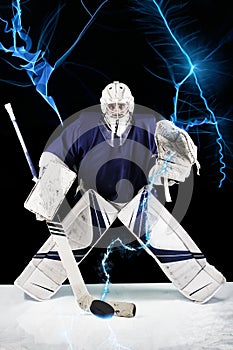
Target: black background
(114,47)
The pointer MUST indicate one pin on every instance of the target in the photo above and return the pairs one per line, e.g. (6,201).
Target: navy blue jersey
(117,169)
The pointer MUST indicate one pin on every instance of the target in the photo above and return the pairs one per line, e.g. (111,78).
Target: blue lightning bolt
(147,228)
(147,193)
(35,64)
(104,262)
(182,67)
(111,342)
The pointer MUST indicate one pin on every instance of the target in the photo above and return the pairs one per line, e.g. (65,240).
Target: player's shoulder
(84,120)
(146,119)
(142,113)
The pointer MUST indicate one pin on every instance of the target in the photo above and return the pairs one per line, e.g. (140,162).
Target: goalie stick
(84,299)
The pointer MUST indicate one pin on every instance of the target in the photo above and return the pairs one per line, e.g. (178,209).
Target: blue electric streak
(36,64)
(180,66)
(92,17)
(111,341)
(143,205)
(104,261)
(147,229)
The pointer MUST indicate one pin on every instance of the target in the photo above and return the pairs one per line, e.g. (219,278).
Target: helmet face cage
(117,109)
(117,100)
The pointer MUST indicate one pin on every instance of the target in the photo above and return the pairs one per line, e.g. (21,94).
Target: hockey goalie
(103,168)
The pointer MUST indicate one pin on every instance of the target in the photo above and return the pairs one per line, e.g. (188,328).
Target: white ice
(165,320)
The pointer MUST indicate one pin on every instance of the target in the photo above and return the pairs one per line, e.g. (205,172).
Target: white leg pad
(45,273)
(171,246)
(205,284)
(42,277)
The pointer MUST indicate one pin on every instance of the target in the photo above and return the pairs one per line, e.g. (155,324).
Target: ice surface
(165,320)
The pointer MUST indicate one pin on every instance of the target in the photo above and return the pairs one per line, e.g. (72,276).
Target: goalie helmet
(117,105)
(117,93)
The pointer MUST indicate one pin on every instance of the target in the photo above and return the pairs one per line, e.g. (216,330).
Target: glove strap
(166,190)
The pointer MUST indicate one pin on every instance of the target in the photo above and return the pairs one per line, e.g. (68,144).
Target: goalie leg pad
(45,274)
(170,245)
(205,284)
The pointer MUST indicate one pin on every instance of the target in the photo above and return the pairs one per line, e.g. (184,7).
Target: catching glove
(177,153)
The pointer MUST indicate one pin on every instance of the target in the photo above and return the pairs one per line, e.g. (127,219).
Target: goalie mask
(117,105)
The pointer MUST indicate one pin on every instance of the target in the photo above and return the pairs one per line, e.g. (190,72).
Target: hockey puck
(101,309)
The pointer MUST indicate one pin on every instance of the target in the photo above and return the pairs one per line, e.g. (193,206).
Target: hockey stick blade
(123,309)
(84,299)
(101,309)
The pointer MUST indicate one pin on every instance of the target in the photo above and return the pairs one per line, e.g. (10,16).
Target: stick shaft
(73,273)
(81,293)
(65,252)
(14,122)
